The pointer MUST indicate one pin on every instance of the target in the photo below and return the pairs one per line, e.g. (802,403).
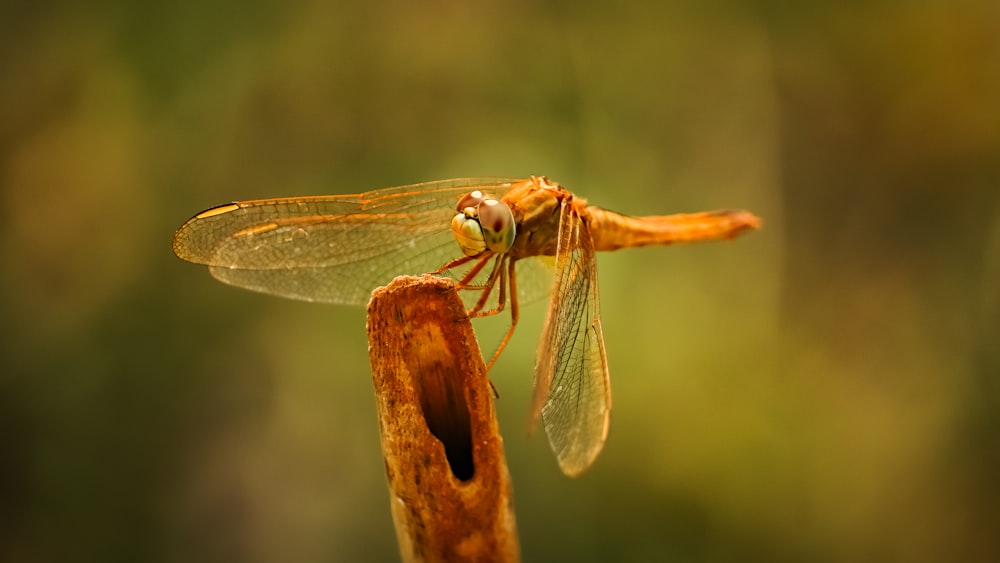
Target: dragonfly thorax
(482,224)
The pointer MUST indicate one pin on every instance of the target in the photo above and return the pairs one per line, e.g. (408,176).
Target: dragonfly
(480,231)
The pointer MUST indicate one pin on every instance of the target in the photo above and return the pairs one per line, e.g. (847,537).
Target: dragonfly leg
(497,273)
(472,273)
(463,283)
(510,277)
(453,264)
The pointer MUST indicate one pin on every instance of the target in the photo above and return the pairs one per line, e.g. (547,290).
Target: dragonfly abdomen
(612,231)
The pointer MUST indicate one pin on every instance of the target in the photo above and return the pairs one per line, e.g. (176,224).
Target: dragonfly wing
(333,249)
(534,278)
(572,392)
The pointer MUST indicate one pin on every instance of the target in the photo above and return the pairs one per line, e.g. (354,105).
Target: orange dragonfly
(337,249)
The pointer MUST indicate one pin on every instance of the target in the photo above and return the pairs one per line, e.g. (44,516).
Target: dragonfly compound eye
(497,223)
(469,235)
(470,200)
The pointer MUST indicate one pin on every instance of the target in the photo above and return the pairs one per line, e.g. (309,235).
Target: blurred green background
(823,390)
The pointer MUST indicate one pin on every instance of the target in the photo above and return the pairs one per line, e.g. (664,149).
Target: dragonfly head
(483,223)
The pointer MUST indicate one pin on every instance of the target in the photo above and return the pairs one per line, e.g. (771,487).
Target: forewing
(572,393)
(333,249)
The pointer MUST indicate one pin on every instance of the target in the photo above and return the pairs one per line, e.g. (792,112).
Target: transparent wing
(534,278)
(333,249)
(572,392)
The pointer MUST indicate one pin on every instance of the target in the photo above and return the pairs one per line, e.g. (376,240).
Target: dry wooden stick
(447,475)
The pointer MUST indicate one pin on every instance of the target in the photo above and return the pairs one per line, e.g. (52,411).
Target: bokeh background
(823,390)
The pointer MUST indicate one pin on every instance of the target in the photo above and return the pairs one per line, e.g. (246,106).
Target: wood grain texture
(448,480)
